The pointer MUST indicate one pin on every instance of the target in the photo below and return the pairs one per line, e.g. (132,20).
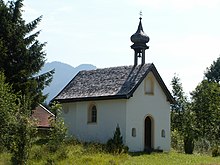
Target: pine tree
(22,55)
(182,121)
(212,73)
(179,107)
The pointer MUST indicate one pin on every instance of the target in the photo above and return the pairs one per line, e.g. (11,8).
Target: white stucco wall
(69,116)
(109,114)
(139,107)
(128,113)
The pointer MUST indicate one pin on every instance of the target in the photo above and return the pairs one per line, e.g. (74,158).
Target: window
(163,133)
(149,85)
(133,132)
(92,114)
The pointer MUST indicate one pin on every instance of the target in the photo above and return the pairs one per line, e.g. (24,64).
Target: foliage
(188,144)
(213,72)
(179,107)
(78,154)
(58,130)
(24,131)
(206,109)
(16,127)
(177,141)
(8,108)
(115,144)
(216,151)
(202,145)
(182,119)
(22,55)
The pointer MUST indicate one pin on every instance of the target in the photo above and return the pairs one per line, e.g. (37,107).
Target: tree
(17,129)
(178,108)
(24,132)
(8,108)
(58,131)
(213,72)
(206,108)
(181,118)
(22,55)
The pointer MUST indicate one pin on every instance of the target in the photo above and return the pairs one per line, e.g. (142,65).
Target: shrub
(202,145)
(72,140)
(37,152)
(24,131)
(216,151)
(177,141)
(115,144)
(62,153)
(58,130)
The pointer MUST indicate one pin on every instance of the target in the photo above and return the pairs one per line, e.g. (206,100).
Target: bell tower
(139,40)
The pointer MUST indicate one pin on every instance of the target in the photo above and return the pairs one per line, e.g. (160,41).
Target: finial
(140,15)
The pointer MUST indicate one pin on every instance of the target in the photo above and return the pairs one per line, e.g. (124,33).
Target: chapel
(134,97)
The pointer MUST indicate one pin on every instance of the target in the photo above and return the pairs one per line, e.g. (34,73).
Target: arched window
(92,114)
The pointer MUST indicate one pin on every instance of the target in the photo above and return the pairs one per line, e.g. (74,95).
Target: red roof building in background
(43,116)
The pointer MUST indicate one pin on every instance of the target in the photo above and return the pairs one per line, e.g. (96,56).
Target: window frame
(92,114)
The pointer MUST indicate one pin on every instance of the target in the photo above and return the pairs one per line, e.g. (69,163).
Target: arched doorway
(148,134)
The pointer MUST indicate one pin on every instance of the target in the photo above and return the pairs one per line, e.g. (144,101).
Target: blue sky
(184,34)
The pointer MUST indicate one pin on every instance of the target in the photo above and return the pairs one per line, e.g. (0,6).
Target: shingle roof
(108,83)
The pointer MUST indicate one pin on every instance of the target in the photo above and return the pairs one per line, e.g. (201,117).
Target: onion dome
(139,46)
(140,37)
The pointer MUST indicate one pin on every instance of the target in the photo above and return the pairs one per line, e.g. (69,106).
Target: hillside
(63,74)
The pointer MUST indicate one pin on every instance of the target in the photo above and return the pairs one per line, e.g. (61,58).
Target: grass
(91,154)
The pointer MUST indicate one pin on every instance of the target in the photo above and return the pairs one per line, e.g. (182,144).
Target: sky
(184,34)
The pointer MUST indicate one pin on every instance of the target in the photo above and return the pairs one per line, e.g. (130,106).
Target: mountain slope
(63,74)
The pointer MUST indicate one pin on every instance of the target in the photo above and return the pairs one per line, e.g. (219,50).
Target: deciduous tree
(206,108)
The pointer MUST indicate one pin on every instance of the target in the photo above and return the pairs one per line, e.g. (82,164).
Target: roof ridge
(112,67)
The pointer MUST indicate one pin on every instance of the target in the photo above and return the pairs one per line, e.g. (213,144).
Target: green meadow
(94,154)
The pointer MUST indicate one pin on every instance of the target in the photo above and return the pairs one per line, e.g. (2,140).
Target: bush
(37,152)
(202,145)
(72,141)
(115,144)
(177,141)
(216,151)
(58,130)
(24,133)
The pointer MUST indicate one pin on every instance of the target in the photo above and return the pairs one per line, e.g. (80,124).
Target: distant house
(133,97)
(43,117)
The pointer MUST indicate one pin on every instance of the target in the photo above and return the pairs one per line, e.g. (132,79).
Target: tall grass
(74,152)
